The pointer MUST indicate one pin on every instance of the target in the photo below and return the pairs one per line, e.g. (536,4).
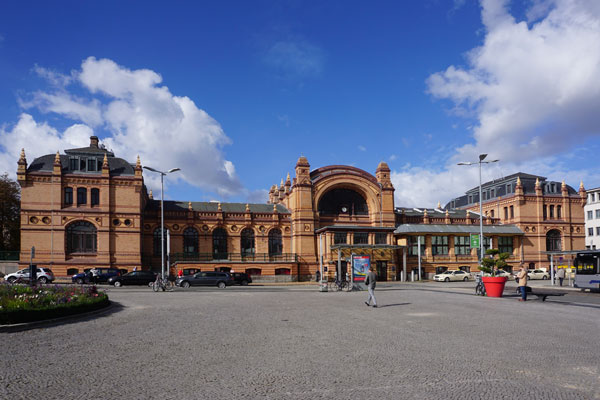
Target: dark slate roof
(353,228)
(204,206)
(434,212)
(458,229)
(91,150)
(117,166)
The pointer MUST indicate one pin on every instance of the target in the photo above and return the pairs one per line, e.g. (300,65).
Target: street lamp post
(162,216)
(481,158)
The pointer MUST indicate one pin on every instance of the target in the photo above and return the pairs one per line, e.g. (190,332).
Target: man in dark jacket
(371,281)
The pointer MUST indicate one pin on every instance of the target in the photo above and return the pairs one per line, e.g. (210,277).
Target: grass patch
(22,303)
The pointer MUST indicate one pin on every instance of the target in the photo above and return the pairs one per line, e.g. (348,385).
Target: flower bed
(21,303)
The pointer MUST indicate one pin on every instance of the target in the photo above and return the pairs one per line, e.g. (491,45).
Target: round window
(127,222)
(116,221)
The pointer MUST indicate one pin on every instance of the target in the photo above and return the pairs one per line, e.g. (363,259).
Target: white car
(538,274)
(448,276)
(43,275)
(504,273)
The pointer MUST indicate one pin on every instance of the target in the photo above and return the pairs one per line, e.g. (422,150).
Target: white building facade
(592,219)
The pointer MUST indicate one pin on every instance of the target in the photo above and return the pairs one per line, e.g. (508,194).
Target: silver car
(206,278)
(44,275)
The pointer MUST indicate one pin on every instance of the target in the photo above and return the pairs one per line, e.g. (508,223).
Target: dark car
(103,275)
(133,278)
(219,279)
(241,278)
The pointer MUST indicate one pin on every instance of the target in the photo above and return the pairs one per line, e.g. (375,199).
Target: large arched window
(247,242)
(553,240)
(157,241)
(219,244)
(342,201)
(190,240)
(81,237)
(275,242)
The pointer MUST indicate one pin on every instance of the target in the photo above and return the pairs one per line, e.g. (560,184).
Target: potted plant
(494,285)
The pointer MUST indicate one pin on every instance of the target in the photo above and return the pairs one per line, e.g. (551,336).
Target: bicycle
(338,285)
(480,288)
(163,284)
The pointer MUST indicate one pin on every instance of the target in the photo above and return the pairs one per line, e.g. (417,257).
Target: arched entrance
(342,201)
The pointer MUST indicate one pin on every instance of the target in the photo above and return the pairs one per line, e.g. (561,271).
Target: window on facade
(95,197)
(157,240)
(73,164)
(81,237)
(551,212)
(91,166)
(505,244)
(99,165)
(598,231)
(484,194)
(505,212)
(597,214)
(68,196)
(275,242)
(247,242)
(470,199)
(462,245)
(486,245)
(342,201)
(593,196)
(380,238)
(190,240)
(492,213)
(82,164)
(492,193)
(508,189)
(81,196)
(590,231)
(361,238)
(553,240)
(545,211)
(512,212)
(340,238)
(219,244)
(590,214)
(439,245)
(558,212)
(413,242)
(282,271)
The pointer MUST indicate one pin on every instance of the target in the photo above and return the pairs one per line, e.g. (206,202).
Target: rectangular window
(492,213)
(508,189)
(340,238)
(590,214)
(551,212)
(413,245)
(73,164)
(598,231)
(361,238)
(545,211)
(558,212)
(82,164)
(439,245)
(99,164)
(590,231)
(81,196)
(597,214)
(484,195)
(512,212)
(505,244)
(381,238)
(505,212)
(68,196)
(91,164)
(470,199)
(492,193)
(593,196)
(462,245)
(95,200)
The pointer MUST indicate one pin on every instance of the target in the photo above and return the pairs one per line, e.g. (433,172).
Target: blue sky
(233,92)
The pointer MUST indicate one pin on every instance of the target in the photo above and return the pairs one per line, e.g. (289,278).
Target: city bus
(587,270)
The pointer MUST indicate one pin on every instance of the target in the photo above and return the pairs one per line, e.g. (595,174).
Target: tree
(10,214)
(490,265)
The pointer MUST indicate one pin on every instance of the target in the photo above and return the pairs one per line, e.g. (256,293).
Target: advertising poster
(361,267)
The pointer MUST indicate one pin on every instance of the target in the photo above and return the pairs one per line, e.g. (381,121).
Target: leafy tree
(10,211)
(491,264)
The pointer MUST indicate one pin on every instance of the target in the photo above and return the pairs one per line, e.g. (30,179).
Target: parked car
(504,273)
(240,278)
(103,275)
(219,279)
(448,276)
(538,274)
(133,278)
(44,275)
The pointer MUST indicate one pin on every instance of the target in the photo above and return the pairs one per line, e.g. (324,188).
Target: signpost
(32,268)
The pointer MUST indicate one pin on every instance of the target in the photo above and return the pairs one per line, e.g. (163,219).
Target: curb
(35,324)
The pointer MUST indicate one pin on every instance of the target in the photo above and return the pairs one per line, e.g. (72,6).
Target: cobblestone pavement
(425,341)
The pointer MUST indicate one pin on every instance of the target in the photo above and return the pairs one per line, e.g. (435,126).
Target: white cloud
(295,58)
(393,157)
(361,147)
(533,89)
(139,116)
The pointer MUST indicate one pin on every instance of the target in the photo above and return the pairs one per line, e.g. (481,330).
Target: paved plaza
(425,341)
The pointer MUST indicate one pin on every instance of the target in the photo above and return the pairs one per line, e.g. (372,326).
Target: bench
(540,296)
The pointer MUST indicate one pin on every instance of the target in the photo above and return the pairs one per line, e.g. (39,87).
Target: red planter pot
(494,285)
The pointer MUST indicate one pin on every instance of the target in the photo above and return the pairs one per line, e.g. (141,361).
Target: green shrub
(491,265)
(21,303)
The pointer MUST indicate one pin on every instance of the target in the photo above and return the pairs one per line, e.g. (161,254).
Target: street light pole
(481,158)
(162,216)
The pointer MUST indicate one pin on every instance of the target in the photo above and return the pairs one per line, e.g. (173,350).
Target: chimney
(94,141)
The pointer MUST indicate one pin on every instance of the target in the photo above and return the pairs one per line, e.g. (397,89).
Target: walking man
(560,275)
(371,281)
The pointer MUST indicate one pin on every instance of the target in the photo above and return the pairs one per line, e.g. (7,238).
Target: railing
(234,257)
(9,256)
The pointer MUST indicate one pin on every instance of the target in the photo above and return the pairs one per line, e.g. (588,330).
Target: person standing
(522,276)
(371,281)
(560,275)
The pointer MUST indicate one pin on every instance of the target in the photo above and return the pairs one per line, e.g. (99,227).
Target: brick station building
(87,208)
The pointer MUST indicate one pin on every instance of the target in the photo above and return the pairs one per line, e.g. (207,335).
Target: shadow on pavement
(393,305)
